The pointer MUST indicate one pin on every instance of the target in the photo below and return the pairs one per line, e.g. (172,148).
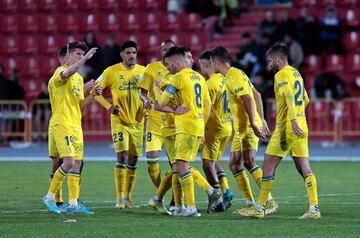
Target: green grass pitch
(23,184)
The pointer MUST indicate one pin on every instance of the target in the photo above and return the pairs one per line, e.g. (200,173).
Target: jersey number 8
(197,89)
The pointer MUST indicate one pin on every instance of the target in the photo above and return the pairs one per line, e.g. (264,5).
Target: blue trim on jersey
(170,89)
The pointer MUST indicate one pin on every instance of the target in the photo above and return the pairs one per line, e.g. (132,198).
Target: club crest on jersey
(121,77)
(76,90)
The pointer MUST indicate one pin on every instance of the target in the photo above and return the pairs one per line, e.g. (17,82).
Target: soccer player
(291,133)
(188,87)
(154,72)
(245,104)
(127,115)
(218,128)
(66,90)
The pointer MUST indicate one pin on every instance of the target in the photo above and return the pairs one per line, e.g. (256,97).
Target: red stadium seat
(126,5)
(150,22)
(351,40)
(68,5)
(69,23)
(129,22)
(28,5)
(169,22)
(152,57)
(149,4)
(352,18)
(9,24)
(190,22)
(29,24)
(347,3)
(90,22)
(49,23)
(89,5)
(50,45)
(9,45)
(48,66)
(8,6)
(312,63)
(70,38)
(109,5)
(149,43)
(9,63)
(195,41)
(334,63)
(302,3)
(109,23)
(30,67)
(30,45)
(353,62)
(47,5)
(32,86)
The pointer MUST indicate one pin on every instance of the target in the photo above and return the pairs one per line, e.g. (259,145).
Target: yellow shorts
(153,142)
(281,142)
(186,147)
(245,142)
(169,143)
(214,147)
(127,138)
(66,141)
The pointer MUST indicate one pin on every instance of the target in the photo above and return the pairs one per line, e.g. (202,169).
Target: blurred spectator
(42,113)
(176,6)
(296,54)
(268,26)
(92,66)
(3,85)
(262,47)
(286,26)
(246,57)
(15,90)
(110,54)
(263,83)
(330,31)
(328,85)
(210,12)
(308,29)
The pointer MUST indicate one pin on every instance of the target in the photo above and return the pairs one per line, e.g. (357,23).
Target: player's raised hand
(114,110)
(265,128)
(258,132)
(89,86)
(181,110)
(90,53)
(296,128)
(98,90)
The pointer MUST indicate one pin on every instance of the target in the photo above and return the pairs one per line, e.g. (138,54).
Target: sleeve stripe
(170,89)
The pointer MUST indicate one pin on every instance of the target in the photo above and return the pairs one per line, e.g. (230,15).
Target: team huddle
(181,109)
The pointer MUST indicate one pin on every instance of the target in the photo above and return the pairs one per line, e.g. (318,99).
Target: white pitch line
(145,204)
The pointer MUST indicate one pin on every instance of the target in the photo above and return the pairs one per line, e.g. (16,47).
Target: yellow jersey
(125,92)
(65,98)
(153,72)
(238,84)
(288,82)
(168,119)
(219,123)
(190,87)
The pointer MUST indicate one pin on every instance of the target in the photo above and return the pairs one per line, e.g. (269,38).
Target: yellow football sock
(120,178)
(223,181)
(58,194)
(243,183)
(177,190)
(73,186)
(57,180)
(130,180)
(311,188)
(78,192)
(257,174)
(187,184)
(200,180)
(165,184)
(154,170)
(265,188)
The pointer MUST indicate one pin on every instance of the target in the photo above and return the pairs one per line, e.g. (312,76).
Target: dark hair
(206,55)
(70,47)
(220,53)
(279,49)
(128,44)
(175,51)
(185,49)
(168,41)
(62,52)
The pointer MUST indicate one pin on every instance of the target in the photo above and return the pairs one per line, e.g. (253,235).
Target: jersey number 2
(299,94)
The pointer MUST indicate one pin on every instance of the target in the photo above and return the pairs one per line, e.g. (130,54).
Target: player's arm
(167,109)
(164,99)
(65,75)
(260,110)
(144,98)
(145,86)
(88,99)
(249,108)
(102,81)
(207,105)
(306,98)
